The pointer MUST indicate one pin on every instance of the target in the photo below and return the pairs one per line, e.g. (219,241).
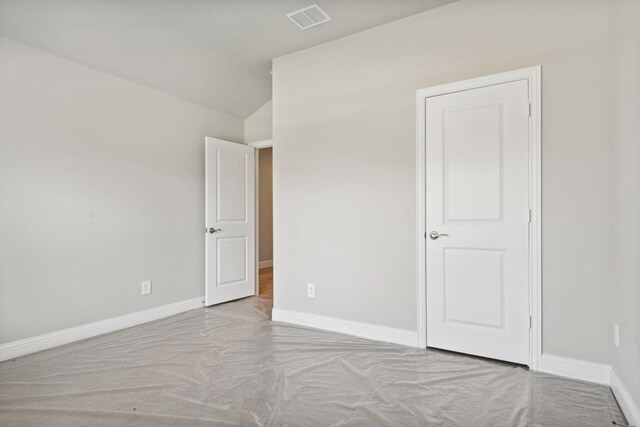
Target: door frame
(533,76)
(265,143)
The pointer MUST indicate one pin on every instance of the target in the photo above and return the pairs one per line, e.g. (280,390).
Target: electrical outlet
(311,290)
(616,334)
(146,287)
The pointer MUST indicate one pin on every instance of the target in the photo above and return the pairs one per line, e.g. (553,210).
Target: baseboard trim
(621,392)
(54,339)
(348,327)
(264,264)
(576,369)
(594,372)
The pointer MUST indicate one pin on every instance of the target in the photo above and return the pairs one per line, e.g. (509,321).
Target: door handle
(434,235)
(213,230)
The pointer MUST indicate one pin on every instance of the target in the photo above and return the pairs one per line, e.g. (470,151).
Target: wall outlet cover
(146,287)
(311,290)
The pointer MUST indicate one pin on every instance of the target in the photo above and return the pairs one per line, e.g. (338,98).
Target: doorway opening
(265,221)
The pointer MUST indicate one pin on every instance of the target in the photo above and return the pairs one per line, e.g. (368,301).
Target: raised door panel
(472,163)
(474,275)
(231,186)
(232,260)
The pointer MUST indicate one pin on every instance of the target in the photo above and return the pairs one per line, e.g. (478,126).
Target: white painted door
(477,201)
(230,224)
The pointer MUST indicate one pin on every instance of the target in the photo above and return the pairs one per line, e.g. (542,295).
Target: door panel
(472,163)
(231,186)
(230,227)
(478,200)
(232,260)
(476,275)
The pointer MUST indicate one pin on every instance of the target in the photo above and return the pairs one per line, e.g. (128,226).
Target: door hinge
(530,322)
(425,234)
(529,109)
(530,216)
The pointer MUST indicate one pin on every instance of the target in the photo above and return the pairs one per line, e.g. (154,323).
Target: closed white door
(230,224)
(477,205)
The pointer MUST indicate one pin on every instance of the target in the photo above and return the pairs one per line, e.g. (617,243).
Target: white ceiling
(216,53)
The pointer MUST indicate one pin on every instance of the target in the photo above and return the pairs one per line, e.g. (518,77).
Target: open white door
(230,221)
(477,221)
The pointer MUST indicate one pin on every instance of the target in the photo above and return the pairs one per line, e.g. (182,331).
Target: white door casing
(478,164)
(230,221)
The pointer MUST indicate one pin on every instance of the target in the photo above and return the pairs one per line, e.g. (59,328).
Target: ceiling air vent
(309,17)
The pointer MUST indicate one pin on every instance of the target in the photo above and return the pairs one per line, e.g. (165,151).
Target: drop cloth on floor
(230,365)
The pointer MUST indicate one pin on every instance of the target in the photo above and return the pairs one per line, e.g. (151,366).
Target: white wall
(626,166)
(101,187)
(344,160)
(258,126)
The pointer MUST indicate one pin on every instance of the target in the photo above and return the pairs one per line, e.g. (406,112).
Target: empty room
(320,213)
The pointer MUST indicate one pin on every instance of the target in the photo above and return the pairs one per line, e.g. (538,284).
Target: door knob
(213,230)
(434,235)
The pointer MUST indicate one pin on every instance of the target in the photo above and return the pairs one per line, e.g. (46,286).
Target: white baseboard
(575,368)
(597,373)
(263,264)
(358,329)
(629,407)
(54,339)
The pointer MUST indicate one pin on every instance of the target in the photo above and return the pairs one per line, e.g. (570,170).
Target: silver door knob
(434,235)
(213,230)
